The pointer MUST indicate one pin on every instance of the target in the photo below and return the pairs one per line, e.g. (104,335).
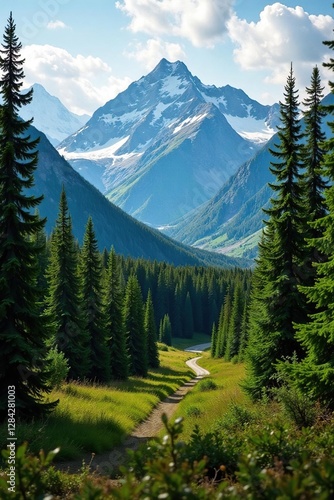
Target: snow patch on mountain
(250,128)
(189,121)
(108,150)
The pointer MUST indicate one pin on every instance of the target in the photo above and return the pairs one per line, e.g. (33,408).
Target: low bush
(207,384)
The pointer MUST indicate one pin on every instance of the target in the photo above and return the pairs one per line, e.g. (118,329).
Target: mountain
(51,116)
(113,227)
(232,221)
(167,143)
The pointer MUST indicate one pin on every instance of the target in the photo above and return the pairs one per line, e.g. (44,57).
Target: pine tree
(188,318)
(277,302)
(214,338)
(315,184)
(165,331)
(244,331)
(151,334)
(134,328)
(113,308)
(63,301)
(22,329)
(91,307)
(176,318)
(315,373)
(234,329)
(223,326)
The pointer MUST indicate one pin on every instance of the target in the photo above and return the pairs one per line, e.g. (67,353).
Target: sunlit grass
(92,418)
(206,407)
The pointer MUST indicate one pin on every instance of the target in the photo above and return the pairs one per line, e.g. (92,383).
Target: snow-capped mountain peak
(51,116)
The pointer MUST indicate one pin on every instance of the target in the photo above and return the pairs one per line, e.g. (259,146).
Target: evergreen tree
(91,307)
(165,331)
(151,334)
(282,254)
(214,335)
(22,329)
(176,319)
(244,332)
(234,329)
(223,326)
(63,302)
(134,328)
(315,373)
(315,184)
(113,308)
(188,318)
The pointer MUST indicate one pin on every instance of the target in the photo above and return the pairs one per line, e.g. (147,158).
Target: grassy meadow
(94,418)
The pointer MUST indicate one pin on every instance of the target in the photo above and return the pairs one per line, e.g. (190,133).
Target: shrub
(238,416)
(207,384)
(193,411)
(162,347)
(29,482)
(58,368)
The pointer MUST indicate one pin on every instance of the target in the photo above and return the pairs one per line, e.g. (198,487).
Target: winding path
(106,463)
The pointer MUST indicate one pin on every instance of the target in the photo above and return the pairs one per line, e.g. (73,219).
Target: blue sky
(86,51)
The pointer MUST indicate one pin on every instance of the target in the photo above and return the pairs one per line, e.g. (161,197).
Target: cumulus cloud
(74,79)
(56,25)
(202,22)
(151,52)
(282,35)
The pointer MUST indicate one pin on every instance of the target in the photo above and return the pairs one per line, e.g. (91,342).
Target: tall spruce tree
(115,331)
(165,331)
(63,301)
(315,183)
(277,302)
(134,328)
(234,329)
(315,374)
(92,308)
(188,318)
(22,329)
(151,333)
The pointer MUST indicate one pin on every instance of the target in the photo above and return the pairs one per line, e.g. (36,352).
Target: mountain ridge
(167,122)
(113,227)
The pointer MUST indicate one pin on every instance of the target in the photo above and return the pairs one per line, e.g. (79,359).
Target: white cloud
(82,83)
(55,25)
(202,22)
(154,50)
(281,36)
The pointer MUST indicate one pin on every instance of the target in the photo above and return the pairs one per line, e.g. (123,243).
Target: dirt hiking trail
(107,463)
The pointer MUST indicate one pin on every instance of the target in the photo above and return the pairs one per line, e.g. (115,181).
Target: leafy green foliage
(58,368)
(29,480)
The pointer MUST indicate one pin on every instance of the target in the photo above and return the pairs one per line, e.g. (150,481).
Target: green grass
(212,404)
(97,418)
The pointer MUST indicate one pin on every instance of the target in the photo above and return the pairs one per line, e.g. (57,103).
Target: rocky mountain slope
(167,144)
